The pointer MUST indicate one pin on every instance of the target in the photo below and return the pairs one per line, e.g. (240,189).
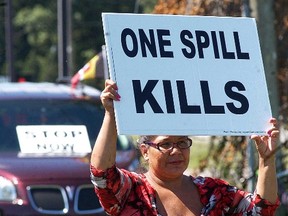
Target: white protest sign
(187,75)
(64,139)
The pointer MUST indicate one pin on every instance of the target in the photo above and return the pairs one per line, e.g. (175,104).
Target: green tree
(35,34)
(36,40)
(88,35)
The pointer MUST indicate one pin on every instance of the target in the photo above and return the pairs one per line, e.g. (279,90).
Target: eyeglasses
(167,146)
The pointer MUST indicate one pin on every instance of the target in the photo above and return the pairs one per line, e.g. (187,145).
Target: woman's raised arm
(267,181)
(104,151)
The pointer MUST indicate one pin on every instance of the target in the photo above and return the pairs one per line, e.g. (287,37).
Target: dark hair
(143,139)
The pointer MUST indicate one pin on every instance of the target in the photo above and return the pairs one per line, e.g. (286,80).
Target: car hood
(36,167)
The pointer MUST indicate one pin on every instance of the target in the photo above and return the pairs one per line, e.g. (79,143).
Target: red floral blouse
(127,193)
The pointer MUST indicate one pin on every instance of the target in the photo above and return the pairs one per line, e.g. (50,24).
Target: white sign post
(187,75)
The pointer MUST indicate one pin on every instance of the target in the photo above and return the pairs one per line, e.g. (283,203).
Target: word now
(56,147)
(145,94)
(193,44)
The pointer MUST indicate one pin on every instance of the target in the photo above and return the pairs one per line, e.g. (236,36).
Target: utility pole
(263,11)
(64,39)
(9,41)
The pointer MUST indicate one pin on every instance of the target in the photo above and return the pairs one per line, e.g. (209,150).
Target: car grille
(86,200)
(49,199)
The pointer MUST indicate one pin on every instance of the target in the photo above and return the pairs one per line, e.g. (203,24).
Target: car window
(46,112)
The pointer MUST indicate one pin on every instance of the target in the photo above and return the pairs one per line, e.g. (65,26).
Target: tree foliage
(281,25)
(199,7)
(35,34)
(35,39)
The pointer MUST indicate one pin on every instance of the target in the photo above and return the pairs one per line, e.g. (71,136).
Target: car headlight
(7,190)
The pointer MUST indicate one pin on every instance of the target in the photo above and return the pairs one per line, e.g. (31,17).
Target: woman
(164,189)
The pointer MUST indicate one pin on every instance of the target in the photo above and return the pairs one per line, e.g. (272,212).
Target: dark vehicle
(40,175)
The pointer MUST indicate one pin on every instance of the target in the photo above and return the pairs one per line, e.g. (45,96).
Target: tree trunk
(263,11)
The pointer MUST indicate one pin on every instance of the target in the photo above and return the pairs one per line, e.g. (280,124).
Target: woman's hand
(109,94)
(266,145)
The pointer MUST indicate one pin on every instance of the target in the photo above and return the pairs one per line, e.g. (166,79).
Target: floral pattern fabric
(127,193)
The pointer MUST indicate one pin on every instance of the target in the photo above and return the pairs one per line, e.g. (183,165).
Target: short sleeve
(112,186)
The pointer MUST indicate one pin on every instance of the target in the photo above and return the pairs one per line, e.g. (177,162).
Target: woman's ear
(144,151)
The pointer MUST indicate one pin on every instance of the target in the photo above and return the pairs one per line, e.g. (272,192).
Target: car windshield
(48,112)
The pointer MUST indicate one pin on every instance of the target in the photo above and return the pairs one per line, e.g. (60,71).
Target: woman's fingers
(266,145)
(273,131)
(109,94)
(112,90)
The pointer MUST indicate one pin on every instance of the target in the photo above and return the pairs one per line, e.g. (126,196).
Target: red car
(44,170)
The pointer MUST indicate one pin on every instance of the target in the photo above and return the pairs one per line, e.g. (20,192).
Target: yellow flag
(88,71)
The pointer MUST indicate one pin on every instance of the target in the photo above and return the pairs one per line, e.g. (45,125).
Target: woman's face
(167,164)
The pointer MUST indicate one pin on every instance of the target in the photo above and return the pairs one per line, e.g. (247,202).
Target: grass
(199,151)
